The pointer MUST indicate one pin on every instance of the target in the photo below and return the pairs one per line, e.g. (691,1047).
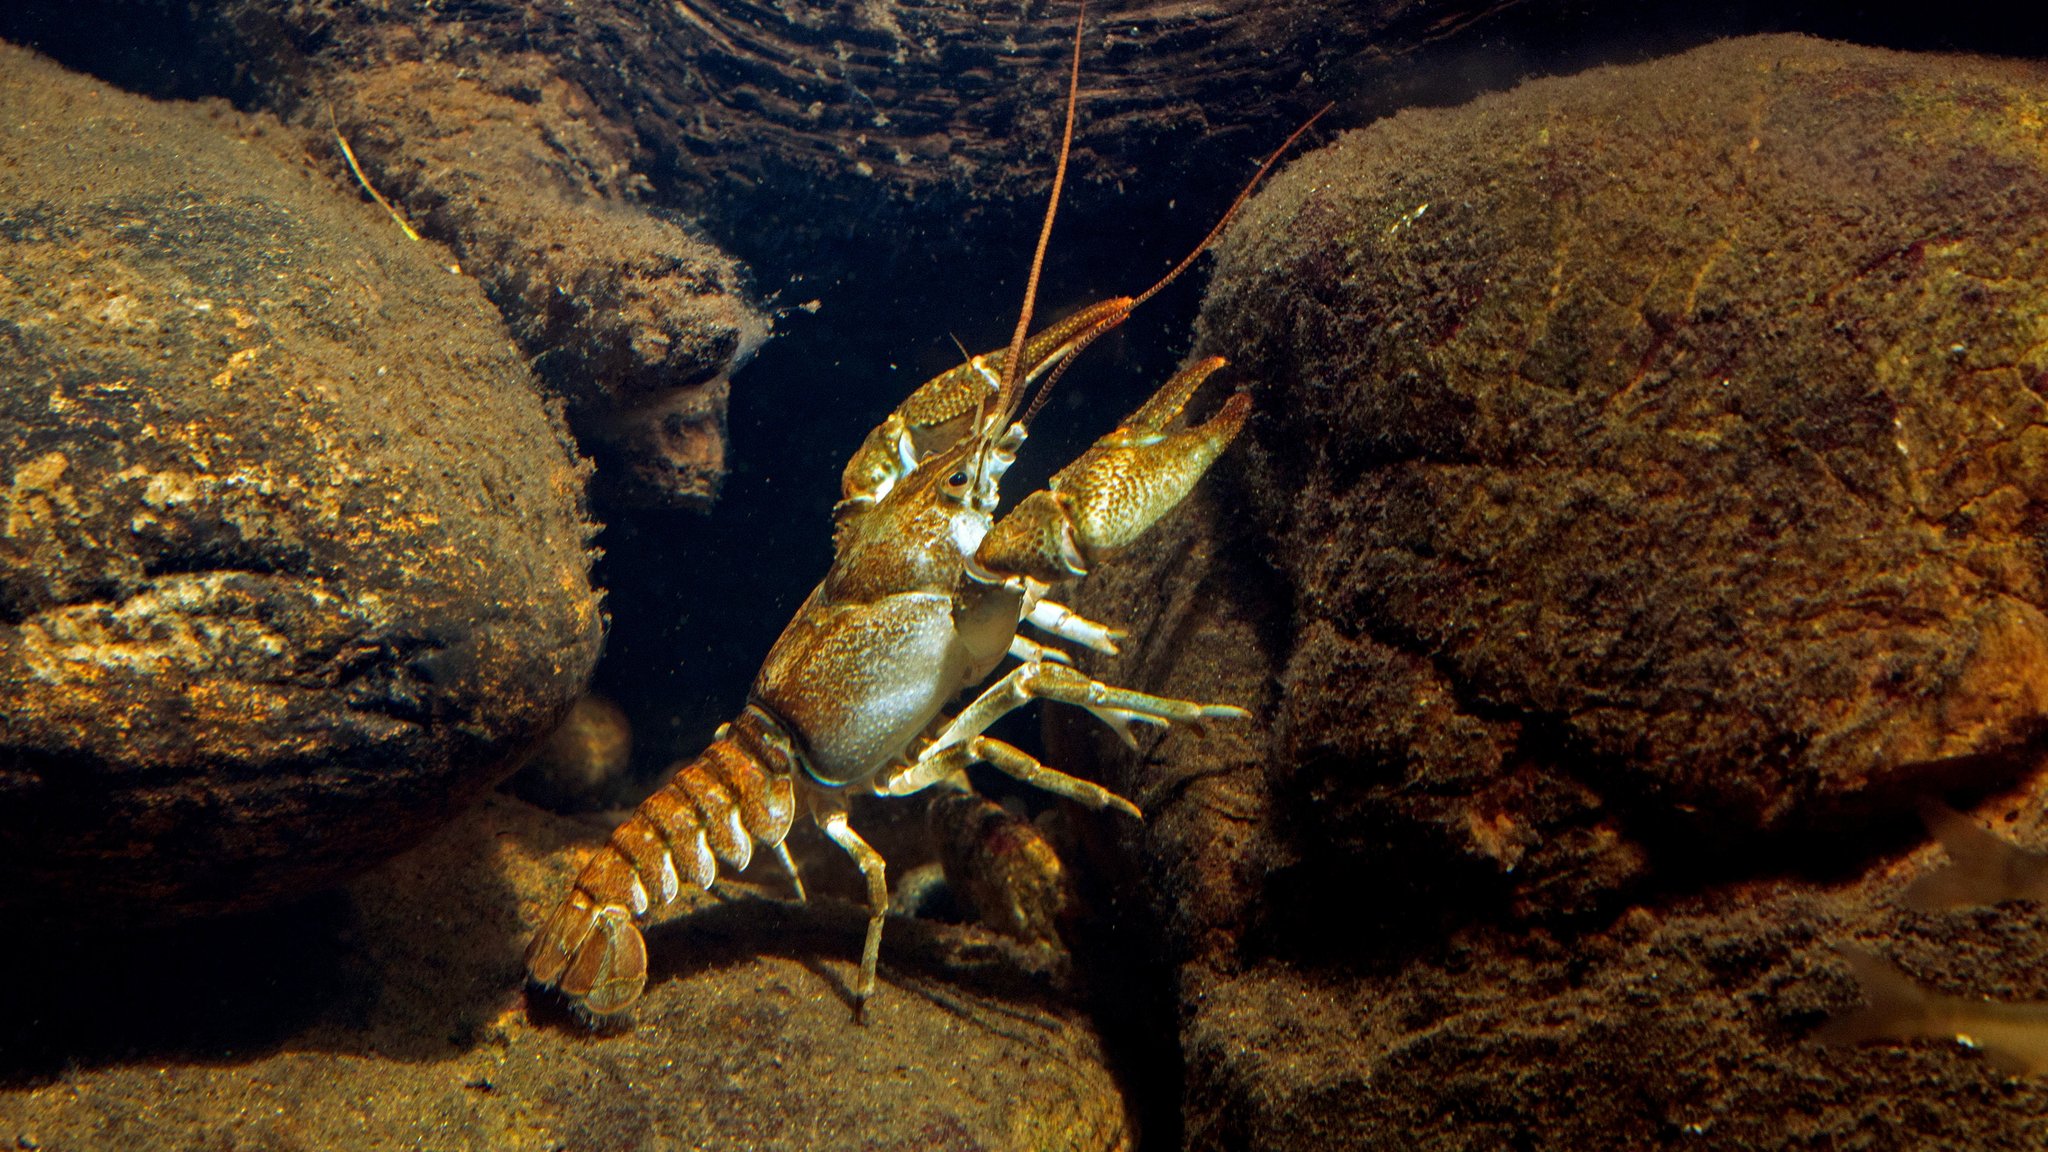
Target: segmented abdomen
(740,790)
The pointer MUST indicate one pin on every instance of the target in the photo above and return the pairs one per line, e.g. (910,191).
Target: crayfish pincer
(924,600)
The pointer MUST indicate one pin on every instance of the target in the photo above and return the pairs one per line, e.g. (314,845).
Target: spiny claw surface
(942,409)
(1118,488)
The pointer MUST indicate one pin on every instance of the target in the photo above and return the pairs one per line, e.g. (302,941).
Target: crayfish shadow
(919,957)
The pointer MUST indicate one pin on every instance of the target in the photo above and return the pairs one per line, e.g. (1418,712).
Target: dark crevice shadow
(1129,982)
(211,992)
(1421,900)
(408,963)
(1832,842)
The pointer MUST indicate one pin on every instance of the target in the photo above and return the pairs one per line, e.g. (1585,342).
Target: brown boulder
(874,155)
(294,555)
(581,766)
(1688,442)
(633,320)
(814,119)
(1641,507)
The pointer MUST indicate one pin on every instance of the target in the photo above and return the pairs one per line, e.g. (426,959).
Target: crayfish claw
(942,410)
(1156,413)
(1117,489)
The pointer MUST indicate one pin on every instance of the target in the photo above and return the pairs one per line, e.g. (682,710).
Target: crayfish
(924,599)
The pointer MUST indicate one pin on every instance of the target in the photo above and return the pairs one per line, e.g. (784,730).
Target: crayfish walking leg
(829,809)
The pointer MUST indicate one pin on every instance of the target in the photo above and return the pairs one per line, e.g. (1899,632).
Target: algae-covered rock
(1642,504)
(633,320)
(1683,418)
(293,559)
(392,1017)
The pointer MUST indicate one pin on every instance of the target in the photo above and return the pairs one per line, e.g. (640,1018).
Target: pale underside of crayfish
(925,598)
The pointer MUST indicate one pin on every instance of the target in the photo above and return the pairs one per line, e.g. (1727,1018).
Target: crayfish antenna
(1013,364)
(1188,261)
(1230,213)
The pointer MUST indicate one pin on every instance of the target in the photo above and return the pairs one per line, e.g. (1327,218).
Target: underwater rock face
(633,320)
(392,1016)
(1643,496)
(810,117)
(294,554)
(813,118)
(1670,449)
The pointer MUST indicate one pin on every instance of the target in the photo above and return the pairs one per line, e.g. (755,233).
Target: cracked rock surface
(294,556)
(1642,504)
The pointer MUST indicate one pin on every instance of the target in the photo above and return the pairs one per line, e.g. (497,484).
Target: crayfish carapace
(925,596)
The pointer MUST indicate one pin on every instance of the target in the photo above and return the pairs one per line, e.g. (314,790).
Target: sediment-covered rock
(885,156)
(812,117)
(294,558)
(1641,507)
(636,322)
(391,1016)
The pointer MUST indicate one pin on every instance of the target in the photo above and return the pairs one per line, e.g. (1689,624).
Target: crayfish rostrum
(924,599)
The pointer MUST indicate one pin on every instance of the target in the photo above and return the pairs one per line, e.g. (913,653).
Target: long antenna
(1045,389)
(1013,363)
(1231,212)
